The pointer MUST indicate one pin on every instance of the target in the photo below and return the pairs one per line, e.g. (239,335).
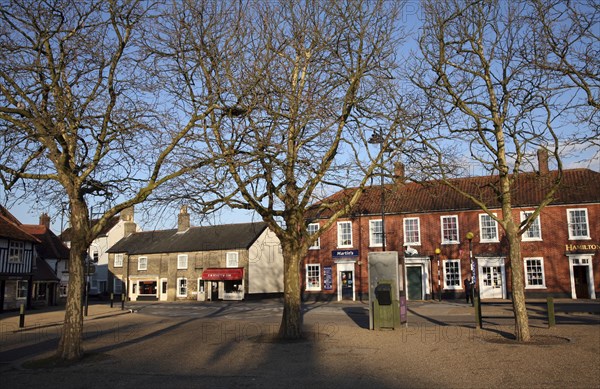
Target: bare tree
(80,120)
(301,85)
(568,33)
(485,98)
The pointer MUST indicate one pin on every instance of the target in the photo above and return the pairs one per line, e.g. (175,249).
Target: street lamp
(470,236)
(377,138)
(437,255)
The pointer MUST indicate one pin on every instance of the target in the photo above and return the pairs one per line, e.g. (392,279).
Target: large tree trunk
(70,345)
(518,283)
(291,321)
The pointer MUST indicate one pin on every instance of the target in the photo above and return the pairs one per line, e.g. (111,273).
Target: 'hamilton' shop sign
(582,248)
(344,253)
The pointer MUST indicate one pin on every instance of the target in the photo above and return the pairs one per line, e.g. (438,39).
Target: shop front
(221,284)
(144,290)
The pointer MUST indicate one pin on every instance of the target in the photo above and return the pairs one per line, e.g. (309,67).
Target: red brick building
(560,251)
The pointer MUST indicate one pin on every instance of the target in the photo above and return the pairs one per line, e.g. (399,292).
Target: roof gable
(11,228)
(50,246)
(208,238)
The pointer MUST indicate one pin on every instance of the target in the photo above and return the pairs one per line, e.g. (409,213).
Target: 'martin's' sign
(582,247)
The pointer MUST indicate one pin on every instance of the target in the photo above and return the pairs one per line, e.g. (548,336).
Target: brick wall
(553,248)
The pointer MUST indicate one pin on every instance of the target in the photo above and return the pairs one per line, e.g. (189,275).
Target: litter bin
(385,307)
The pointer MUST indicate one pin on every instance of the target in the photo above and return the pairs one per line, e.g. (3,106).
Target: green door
(414,277)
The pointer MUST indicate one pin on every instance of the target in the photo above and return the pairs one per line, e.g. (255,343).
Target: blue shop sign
(344,253)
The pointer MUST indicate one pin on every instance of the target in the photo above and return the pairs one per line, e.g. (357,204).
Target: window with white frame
(449,229)
(232,259)
(15,252)
(313,277)
(452,274)
(375,233)
(488,229)
(344,234)
(117,286)
(412,233)
(313,228)
(143,263)
(95,256)
(22,289)
(534,232)
(118,260)
(182,287)
(534,273)
(578,223)
(182,261)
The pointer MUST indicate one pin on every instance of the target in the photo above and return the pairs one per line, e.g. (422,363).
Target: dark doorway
(214,294)
(414,277)
(580,274)
(347,285)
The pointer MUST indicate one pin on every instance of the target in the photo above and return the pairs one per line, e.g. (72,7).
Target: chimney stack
(183,220)
(542,155)
(45,220)
(399,177)
(129,228)
(127,214)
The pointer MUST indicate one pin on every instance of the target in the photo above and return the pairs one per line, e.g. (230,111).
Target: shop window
(181,287)
(313,277)
(534,273)
(452,274)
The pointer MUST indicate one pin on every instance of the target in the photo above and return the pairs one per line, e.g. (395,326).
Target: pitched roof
(51,247)
(578,186)
(11,228)
(223,237)
(66,234)
(43,271)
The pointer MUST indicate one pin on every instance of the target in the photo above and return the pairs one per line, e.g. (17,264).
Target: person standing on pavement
(468,289)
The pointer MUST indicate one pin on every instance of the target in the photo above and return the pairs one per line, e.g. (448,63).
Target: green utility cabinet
(385,306)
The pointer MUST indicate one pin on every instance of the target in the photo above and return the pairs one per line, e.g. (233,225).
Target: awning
(223,274)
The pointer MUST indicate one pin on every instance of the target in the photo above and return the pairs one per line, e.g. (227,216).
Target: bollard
(122,301)
(551,317)
(478,320)
(112,299)
(22,316)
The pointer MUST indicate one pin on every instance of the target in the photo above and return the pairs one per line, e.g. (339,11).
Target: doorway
(347,285)
(414,278)
(163,289)
(580,276)
(491,278)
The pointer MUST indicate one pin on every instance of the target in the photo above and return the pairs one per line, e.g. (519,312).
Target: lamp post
(470,236)
(439,288)
(377,138)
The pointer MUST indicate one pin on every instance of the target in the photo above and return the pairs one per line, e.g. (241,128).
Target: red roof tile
(578,186)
